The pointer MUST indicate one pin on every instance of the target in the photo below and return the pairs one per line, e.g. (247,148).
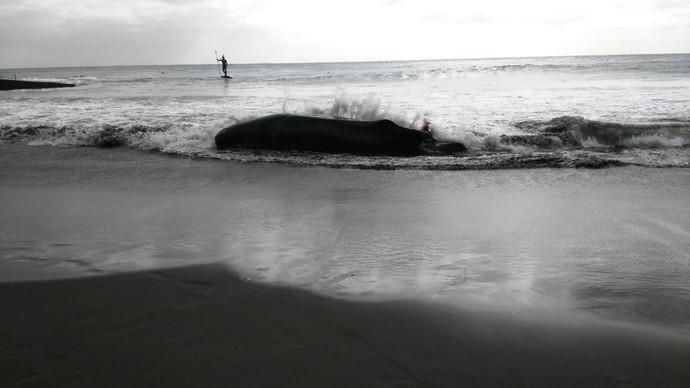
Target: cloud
(502,12)
(66,32)
(60,33)
(670,4)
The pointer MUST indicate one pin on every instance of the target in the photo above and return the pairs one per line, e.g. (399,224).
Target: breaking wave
(575,131)
(566,141)
(164,138)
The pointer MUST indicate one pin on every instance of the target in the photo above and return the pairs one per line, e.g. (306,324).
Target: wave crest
(164,137)
(566,141)
(576,131)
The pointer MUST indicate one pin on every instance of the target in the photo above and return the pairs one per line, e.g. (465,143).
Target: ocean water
(510,113)
(88,185)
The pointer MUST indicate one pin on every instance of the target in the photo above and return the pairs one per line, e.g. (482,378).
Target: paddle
(217,62)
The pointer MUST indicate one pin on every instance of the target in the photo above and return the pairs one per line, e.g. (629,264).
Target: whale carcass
(294,132)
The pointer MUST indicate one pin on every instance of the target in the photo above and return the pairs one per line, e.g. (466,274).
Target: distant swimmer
(225,64)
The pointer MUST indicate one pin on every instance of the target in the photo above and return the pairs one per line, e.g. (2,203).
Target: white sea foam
(652,141)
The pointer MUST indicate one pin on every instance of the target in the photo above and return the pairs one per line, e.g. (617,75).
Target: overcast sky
(40,33)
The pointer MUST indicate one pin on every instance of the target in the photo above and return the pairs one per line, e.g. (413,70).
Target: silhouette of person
(225,64)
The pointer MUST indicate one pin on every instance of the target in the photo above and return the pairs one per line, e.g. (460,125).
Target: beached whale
(293,132)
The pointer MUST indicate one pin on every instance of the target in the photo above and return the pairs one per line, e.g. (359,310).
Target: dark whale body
(293,132)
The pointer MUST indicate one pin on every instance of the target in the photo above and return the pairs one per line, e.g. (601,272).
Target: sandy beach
(125,268)
(202,326)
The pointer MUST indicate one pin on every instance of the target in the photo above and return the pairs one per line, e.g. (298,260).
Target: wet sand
(162,234)
(202,326)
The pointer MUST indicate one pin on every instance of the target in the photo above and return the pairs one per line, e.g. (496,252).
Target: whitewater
(509,112)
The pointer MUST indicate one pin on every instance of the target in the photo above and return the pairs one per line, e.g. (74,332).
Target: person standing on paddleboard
(225,64)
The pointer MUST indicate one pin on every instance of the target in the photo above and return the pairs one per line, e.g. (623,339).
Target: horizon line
(353,61)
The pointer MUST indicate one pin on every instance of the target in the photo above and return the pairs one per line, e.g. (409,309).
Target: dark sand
(202,326)
(9,84)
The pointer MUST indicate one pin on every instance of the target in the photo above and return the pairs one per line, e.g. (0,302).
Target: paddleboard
(226,76)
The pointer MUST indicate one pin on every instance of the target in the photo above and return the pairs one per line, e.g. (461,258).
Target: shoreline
(202,325)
